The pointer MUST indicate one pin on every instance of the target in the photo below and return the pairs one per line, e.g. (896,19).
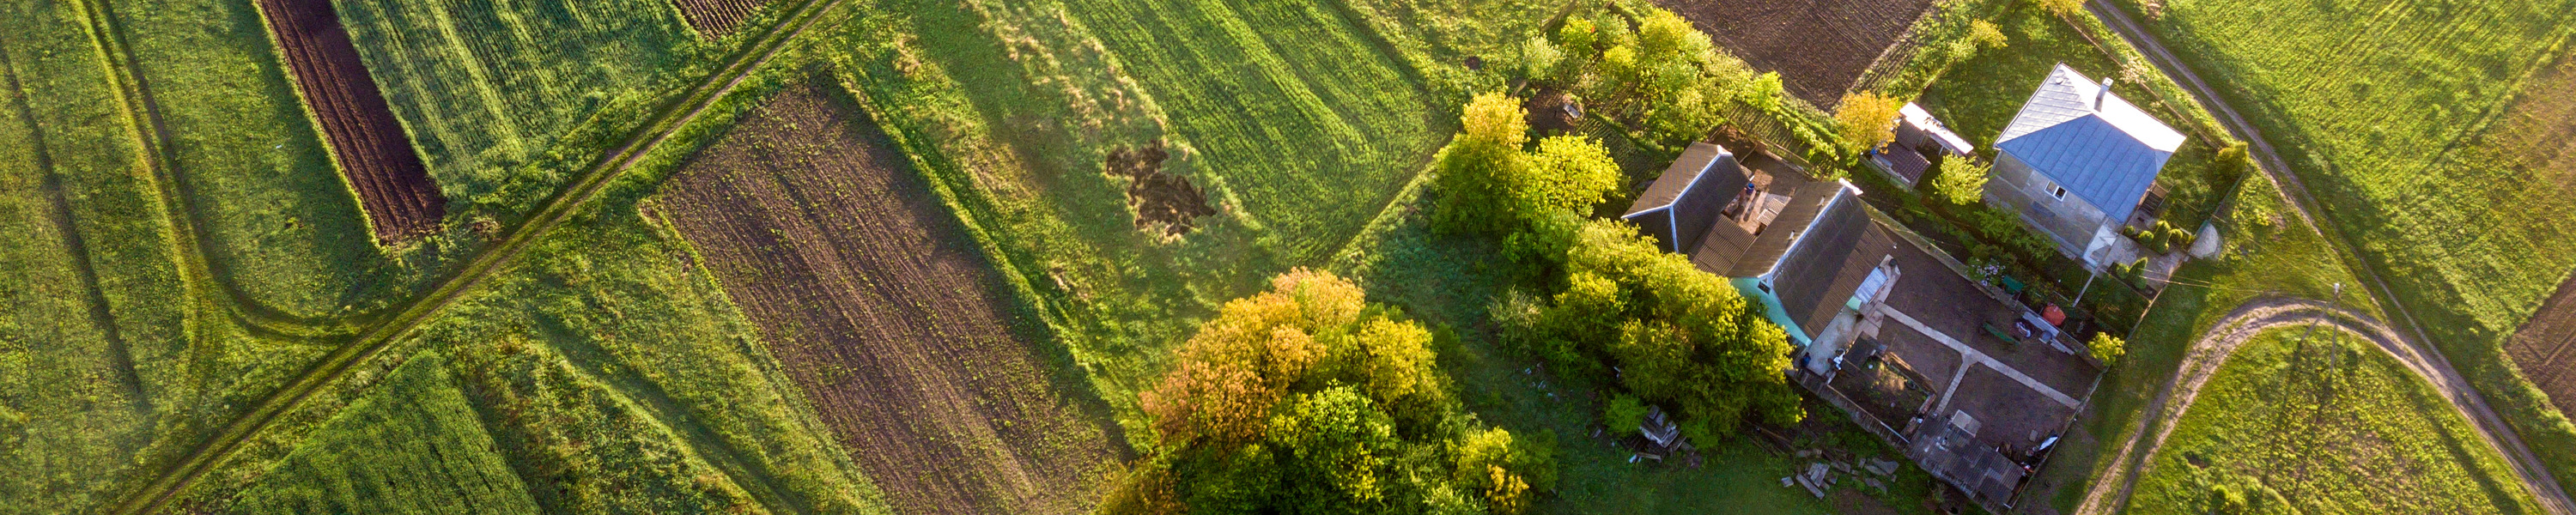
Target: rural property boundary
(2526,464)
(175,479)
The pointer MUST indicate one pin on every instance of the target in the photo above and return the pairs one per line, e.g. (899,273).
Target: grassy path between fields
(204,456)
(2527,465)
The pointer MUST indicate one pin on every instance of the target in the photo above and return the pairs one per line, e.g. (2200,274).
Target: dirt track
(400,199)
(2130,460)
(884,312)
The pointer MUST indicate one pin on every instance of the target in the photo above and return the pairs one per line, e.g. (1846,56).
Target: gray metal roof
(2090,141)
(1806,202)
(1677,178)
(1829,265)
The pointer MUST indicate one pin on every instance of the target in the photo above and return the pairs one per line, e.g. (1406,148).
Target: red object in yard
(2055,317)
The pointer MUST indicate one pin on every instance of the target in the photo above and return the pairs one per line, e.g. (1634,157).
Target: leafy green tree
(2107,348)
(1624,413)
(1567,173)
(1578,37)
(1959,181)
(1680,336)
(1541,60)
(2062,8)
(1866,120)
(1335,451)
(1986,35)
(1244,360)
(1481,166)
(1507,471)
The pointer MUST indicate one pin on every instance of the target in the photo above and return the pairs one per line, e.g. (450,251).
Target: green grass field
(2324,423)
(503,100)
(273,213)
(412,445)
(112,359)
(71,406)
(2396,115)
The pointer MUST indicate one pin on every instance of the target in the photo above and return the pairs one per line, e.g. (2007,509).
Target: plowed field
(716,18)
(887,316)
(2545,348)
(1819,47)
(378,161)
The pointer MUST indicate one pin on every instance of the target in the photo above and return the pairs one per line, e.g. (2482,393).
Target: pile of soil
(1164,203)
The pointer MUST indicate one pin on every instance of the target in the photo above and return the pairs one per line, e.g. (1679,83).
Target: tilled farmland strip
(400,199)
(700,97)
(884,313)
(717,18)
(1819,48)
(2545,347)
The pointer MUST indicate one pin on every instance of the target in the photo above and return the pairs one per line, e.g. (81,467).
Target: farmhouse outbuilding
(1921,140)
(1806,250)
(2077,161)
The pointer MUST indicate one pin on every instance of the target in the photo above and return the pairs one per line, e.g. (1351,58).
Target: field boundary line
(2553,496)
(339,362)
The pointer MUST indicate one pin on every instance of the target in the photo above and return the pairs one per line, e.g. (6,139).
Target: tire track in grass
(176,477)
(120,357)
(198,269)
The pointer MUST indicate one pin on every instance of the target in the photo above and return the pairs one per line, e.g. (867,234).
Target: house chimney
(2106,93)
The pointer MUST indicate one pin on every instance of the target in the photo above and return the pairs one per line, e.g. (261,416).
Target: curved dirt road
(2110,492)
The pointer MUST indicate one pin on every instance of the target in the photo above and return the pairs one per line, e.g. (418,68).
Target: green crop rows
(2391,112)
(412,445)
(2323,423)
(491,93)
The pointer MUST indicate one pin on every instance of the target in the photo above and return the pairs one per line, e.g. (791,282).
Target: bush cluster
(1668,333)
(1305,399)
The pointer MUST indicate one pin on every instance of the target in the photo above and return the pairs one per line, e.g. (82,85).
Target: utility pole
(2312,328)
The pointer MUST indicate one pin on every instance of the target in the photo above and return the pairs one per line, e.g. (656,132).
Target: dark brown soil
(1819,47)
(1552,112)
(1164,203)
(2545,347)
(717,18)
(882,310)
(400,199)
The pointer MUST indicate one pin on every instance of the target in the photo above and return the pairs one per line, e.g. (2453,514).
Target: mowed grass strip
(411,445)
(2321,422)
(485,90)
(2399,116)
(277,223)
(887,316)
